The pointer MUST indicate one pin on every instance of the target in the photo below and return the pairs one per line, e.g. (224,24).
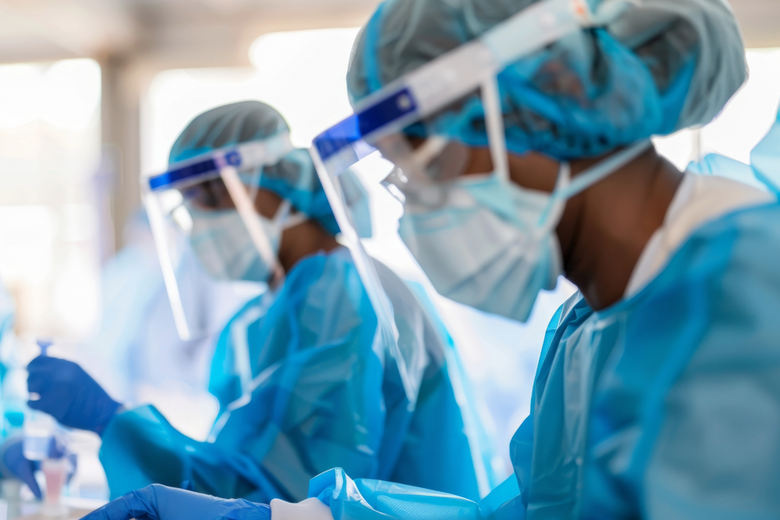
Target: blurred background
(94,92)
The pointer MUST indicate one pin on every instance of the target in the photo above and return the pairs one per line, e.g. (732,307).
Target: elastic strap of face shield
(526,32)
(567,187)
(494,122)
(254,183)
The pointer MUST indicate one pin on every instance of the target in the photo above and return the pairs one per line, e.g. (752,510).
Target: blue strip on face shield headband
(406,122)
(209,202)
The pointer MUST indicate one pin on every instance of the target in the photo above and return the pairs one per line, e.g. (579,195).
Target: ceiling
(758,19)
(180,33)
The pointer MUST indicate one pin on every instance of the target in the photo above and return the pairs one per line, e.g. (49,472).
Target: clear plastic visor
(210,215)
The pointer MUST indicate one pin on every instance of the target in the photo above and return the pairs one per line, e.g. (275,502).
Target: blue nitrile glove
(158,502)
(13,463)
(69,394)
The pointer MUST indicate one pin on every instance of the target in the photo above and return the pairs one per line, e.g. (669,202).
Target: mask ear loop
(554,211)
(602,169)
(494,120)
(291,220)
(282,212)
(566,187)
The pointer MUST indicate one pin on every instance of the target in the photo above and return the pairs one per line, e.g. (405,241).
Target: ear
(478,161)
(533,171)
(267,203)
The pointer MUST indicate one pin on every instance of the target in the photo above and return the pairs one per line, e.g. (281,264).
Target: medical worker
(657,394)
(324,389)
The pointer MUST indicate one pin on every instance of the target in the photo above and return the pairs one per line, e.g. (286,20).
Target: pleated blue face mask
(225,248)
(488,243)
(491,247)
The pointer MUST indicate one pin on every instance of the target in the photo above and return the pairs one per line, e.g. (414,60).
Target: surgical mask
(488,247)
(491,244)
(225,248)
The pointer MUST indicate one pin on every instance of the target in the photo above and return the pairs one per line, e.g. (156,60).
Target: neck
(604,229)
(303,240)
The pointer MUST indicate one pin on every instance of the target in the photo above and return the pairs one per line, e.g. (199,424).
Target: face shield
(418,123)
(210,204)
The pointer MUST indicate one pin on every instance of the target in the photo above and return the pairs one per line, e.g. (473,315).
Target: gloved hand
(14,463)
(158,502)
(69,394)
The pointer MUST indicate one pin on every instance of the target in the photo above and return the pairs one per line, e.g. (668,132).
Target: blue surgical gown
(325,391)
(664,406)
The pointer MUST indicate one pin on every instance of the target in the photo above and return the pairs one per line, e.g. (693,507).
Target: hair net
(293,178)
(663,65)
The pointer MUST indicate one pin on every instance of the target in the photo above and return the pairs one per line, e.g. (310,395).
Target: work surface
(73,514)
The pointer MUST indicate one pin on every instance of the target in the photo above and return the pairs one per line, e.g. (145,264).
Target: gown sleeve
(140,447)
(316,402)
(365,499)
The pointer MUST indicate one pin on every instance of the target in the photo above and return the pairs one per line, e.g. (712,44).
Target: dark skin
(299,241)
(296,242)
(604,229)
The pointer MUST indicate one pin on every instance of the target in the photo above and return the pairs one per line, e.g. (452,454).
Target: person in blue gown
(657,394)
(304,381)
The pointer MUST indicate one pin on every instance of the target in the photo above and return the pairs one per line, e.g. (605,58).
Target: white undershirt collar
(699,199)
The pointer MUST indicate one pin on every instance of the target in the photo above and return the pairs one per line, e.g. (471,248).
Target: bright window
(50,227)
